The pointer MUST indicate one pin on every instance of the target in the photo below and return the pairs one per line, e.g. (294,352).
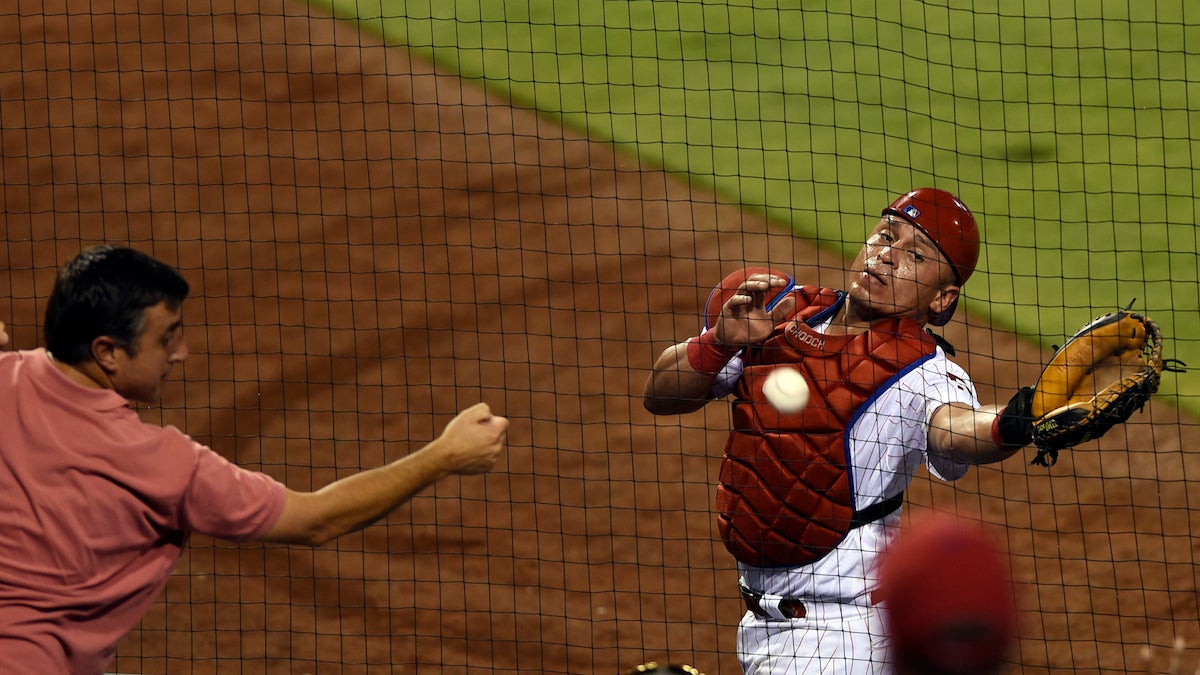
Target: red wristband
(705,355)
(997,437)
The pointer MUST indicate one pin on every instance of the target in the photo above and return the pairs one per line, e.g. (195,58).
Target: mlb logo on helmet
(912,212)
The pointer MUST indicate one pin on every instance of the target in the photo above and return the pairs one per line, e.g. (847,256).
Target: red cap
(949,604)
(950,225)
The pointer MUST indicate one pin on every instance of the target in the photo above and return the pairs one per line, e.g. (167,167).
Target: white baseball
(786,390)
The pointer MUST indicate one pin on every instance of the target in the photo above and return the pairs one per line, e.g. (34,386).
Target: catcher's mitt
(1105,372)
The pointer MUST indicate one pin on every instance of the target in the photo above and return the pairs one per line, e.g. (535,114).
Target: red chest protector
(785,496)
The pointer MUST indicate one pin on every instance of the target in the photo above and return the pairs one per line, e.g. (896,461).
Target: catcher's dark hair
(104,291)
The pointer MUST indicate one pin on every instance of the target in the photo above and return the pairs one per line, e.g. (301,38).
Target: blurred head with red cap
(947,598)
(917,258)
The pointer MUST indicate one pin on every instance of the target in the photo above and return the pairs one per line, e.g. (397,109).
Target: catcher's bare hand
(473,440)
(3,335)
(744,318)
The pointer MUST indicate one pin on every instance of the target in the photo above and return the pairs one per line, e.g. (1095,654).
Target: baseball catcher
(808,497)
(1104,373)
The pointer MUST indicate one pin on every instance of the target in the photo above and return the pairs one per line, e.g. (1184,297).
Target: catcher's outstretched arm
(967,434)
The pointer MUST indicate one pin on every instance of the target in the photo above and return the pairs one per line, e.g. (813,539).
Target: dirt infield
(373,246)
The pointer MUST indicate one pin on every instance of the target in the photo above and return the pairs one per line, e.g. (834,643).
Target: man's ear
(944,300)
(104,352)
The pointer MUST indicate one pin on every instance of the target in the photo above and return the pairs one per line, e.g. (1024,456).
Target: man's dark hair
(104,291)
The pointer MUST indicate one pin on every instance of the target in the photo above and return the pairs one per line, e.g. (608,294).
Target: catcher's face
(900,273)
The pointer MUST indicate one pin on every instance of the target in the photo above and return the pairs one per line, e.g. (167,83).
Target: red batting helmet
(950,225)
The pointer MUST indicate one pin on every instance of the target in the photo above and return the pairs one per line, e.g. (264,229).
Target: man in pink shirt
(98,505)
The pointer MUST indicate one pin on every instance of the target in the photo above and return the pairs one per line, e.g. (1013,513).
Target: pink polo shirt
(95,509)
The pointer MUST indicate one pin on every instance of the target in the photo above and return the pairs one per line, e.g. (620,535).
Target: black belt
(789,608)
(793,608)
(878,510)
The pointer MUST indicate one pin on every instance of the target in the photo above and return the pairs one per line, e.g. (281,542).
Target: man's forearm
(353,502)
(965,434)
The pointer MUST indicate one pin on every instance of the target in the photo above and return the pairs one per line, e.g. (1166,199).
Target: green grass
(1067,127)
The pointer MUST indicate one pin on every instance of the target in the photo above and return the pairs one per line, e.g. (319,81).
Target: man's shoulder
(937,375)
(9,358)
(18,365)
(949,365)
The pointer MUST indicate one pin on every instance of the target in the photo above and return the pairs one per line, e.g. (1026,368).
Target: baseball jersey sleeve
(226,501)
(950,384)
